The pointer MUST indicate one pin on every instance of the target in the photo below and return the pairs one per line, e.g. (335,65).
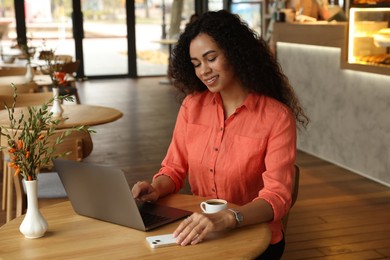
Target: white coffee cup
(213,205)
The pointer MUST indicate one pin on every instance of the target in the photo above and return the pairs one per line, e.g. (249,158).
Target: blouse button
(211,170)
(216,149)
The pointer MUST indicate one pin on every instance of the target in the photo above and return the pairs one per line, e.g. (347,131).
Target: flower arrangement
(28,138)
(53,69)
(58,78)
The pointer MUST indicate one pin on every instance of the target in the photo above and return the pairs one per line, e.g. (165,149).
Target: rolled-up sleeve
(279,164)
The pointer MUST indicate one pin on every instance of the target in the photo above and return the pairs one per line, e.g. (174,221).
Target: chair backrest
(70,67)
(78,143)
(294,194)
(25,99)
(63,58)
(10,71)
(295,185)
(45,54)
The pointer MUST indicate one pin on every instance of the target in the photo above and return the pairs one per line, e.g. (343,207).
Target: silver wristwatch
(239,217)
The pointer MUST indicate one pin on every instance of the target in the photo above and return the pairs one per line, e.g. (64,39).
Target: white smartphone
(161,241)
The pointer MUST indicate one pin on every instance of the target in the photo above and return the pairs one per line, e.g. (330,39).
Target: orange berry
(20,144)
(17,172)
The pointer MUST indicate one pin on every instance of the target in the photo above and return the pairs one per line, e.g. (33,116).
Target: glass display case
(369,33)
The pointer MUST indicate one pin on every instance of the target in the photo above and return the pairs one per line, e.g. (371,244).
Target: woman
(235,135)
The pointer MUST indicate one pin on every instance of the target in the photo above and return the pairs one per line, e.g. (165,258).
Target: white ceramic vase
(56,109)
(29,73)
(34,225)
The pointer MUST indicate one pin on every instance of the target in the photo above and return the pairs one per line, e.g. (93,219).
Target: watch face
(238,216)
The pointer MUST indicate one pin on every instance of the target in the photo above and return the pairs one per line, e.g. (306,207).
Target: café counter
(325,34)
(348,105)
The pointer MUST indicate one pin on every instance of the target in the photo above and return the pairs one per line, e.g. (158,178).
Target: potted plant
(29,149)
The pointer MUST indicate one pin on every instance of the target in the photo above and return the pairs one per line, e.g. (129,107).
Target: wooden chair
(294,194)
(79,143)
(59,59)
(70,69)
(48,54)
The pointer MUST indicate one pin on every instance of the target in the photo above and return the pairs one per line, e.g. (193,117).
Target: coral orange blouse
(246,157)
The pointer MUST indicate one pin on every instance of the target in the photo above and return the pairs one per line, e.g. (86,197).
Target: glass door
(100,33)
(105,37)
(49,26)
(158,25)
(99,27)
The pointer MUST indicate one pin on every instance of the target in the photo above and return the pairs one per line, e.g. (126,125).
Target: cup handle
(203,206)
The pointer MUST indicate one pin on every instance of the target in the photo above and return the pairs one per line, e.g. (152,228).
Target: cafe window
(254,13)
(155,21)
(7,26)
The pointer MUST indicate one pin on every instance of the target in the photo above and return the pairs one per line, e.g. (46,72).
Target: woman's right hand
(144,191)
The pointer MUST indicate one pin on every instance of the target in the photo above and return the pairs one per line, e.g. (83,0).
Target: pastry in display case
(382,38)
(369,33)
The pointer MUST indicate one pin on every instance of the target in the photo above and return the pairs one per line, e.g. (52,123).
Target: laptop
(103,193)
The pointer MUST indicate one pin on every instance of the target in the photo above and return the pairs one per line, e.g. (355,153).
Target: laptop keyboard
(150,219)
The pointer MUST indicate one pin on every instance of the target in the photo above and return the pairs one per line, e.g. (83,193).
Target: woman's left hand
(194,229)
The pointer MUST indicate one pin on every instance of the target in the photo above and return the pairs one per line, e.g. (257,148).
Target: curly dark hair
(249,55)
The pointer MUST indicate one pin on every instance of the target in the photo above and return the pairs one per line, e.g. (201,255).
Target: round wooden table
(6,81)
(72,236)
(19,81)
(77,115)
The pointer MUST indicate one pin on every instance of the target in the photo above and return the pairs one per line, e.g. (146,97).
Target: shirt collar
(250,102)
